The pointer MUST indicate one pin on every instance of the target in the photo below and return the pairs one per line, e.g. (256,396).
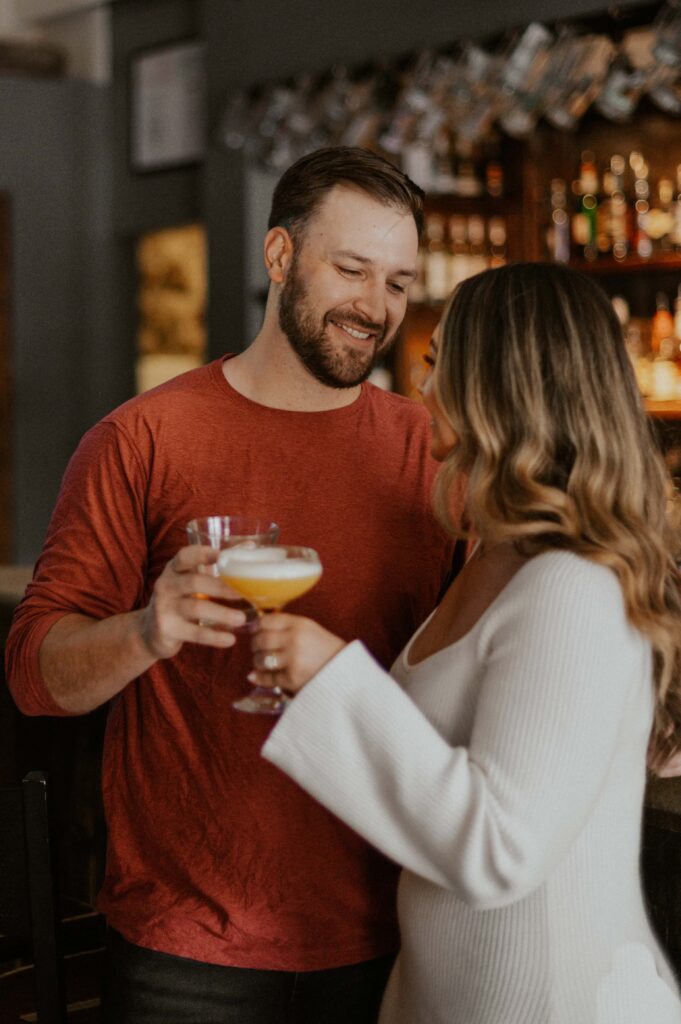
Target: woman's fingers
(293,648)
(273,632)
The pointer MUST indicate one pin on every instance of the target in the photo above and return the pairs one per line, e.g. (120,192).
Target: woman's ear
(278,251)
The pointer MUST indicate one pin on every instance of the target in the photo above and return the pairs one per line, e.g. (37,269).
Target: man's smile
(356,333)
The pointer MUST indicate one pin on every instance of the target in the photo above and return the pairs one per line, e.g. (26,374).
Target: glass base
(262,701)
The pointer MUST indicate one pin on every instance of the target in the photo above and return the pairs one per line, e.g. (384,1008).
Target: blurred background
(140,139)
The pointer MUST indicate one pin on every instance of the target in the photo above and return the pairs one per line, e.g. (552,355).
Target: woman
(504,763)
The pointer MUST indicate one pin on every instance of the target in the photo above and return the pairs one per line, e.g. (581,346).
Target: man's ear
(278,253)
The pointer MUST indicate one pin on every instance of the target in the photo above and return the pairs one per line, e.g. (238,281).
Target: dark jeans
(145,987)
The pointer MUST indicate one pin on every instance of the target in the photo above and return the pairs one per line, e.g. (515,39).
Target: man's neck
(269,372)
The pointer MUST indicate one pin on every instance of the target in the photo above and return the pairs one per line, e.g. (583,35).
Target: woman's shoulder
(569,567)
(559,583)
(563,608)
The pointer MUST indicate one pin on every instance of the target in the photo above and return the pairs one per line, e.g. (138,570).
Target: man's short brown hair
(304,185)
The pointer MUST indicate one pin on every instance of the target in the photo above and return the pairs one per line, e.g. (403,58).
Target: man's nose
(371,302)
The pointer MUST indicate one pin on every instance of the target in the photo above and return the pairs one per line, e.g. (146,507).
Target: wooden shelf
(633,264)
(663,410)
(484,204)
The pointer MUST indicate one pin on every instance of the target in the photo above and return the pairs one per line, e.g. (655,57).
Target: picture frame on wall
(167,90)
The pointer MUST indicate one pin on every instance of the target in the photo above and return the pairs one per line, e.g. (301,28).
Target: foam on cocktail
(266,576)
(291,569)
(243,556)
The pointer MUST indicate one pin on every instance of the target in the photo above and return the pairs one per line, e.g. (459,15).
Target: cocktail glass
(269,577)
(221,533)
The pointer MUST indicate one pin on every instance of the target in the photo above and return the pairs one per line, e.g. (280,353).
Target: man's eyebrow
(348,254)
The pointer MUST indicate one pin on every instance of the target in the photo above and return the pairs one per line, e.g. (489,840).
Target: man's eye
(349,271)
(399,288)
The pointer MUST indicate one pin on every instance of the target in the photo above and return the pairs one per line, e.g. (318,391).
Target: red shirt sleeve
(94,559)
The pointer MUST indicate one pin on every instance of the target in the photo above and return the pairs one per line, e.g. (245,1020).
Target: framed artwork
(167,106)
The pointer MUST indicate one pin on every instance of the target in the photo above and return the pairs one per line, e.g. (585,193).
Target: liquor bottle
(558,233)
(641,241)
(442,180)
(460,263)
(584,221)
(493,168)
(436,259)
(676,230)
(466,179)
(663,324)
(665,373)
(677,315)
(496,232)
(619,209)
(660,218)
(417,163)
(477,259)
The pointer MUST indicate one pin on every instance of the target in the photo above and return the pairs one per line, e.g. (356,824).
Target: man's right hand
(85,662)
(181,600)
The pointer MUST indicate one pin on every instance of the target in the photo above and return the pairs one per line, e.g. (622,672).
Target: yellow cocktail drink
(269,577)
(271,592)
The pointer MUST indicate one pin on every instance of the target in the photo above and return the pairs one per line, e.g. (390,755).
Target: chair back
(28,890)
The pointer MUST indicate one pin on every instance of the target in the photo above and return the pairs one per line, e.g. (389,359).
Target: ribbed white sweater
(506,774)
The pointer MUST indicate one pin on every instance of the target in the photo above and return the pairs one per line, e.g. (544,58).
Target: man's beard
(334,367)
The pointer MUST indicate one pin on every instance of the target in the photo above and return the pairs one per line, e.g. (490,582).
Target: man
(230,895)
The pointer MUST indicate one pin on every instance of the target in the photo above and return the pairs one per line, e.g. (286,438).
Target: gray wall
(53,168)
(260,40)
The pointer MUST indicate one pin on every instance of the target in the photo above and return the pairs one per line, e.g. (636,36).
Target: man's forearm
(84,662)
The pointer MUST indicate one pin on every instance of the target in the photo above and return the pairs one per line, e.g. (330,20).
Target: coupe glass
(269,577)
(222,532)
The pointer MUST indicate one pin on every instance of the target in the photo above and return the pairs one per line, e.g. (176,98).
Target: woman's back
(545,890)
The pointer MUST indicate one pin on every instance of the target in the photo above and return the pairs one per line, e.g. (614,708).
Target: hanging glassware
(621,90)
(660,80)
(576,70)
(667,32)
(367,101)
(432,110)
(336,104)
(414,101)
(523,68)
(474,97)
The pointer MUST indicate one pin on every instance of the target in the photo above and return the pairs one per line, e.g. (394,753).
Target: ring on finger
(270,662)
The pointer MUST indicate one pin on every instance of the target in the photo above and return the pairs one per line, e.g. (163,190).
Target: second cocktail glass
(269,577)
(223,532)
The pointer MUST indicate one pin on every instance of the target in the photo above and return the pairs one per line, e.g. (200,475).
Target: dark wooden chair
(34,934)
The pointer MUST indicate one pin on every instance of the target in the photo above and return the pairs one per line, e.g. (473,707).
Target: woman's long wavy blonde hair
(533,374)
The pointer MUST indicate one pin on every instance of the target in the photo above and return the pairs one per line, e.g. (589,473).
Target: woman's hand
(289,650)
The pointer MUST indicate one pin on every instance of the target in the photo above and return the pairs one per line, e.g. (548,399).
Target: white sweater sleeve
(489,821)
